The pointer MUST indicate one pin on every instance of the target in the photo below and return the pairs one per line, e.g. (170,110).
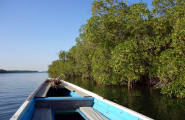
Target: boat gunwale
(22,108)
(31,96)
(143,117)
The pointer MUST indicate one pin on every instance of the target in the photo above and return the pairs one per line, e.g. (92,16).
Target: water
(144,100)
(16,87)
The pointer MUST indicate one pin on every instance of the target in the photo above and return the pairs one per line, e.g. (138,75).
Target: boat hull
(70,100)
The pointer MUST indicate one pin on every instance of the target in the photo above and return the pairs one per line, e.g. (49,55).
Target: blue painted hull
(71,101)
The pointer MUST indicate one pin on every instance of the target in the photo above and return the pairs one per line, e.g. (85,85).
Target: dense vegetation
(15,71)
(126,45)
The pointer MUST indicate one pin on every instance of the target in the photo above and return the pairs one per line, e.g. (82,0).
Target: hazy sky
(32,32)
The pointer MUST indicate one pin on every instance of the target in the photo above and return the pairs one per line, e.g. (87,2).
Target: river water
(16,87)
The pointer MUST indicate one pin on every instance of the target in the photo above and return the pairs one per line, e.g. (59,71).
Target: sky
(32,32)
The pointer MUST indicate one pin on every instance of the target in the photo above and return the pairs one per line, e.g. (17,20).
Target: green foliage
(121,44)
(126,61)
(162,6)
(2,71)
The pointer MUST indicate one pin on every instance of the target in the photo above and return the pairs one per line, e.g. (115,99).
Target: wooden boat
(70,102)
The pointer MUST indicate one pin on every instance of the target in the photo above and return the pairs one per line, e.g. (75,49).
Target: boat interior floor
(64,102)
(48,88)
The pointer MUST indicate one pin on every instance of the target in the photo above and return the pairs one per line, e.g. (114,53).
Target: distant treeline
(129,44)
(15,71)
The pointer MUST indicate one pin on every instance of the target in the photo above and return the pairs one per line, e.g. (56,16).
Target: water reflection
(147,101)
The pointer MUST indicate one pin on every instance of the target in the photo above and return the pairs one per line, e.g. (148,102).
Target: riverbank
(17,71)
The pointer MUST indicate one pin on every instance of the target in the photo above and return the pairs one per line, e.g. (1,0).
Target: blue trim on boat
(82,114)
(65,98)
(73,94)
(29,111)
(112,112)
(53,114)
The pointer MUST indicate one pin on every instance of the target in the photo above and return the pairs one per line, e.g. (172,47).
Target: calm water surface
(144,100)
(14,90)
(16,87)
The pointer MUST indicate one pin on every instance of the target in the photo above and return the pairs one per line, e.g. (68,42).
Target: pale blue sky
(32,32)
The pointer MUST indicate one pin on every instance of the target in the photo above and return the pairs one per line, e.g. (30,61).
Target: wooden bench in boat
(42,114)
(63,103)
(91,113)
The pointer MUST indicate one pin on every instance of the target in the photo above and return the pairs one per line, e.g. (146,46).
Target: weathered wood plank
(92,114)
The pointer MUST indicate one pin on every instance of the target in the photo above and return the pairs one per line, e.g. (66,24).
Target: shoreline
(17,71)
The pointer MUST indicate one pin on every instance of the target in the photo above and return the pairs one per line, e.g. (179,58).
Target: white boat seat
(92,114)
(42,114)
